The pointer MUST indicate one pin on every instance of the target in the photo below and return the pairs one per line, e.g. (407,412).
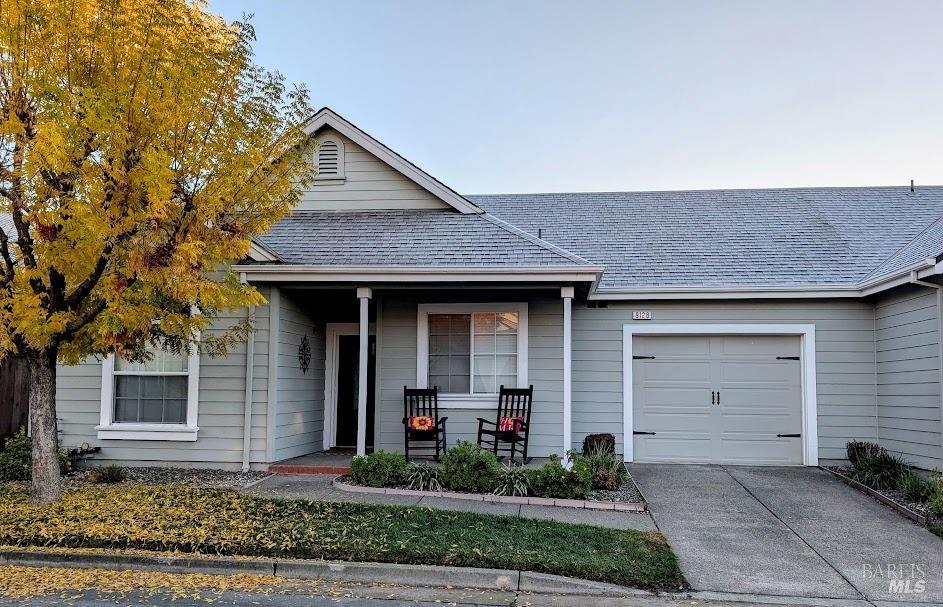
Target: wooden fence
(14,395)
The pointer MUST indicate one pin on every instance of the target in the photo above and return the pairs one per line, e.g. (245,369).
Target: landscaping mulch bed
(227,522)
(152,475)
(933,521)
(628,492)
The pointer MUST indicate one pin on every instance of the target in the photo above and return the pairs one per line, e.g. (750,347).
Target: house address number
(641,315)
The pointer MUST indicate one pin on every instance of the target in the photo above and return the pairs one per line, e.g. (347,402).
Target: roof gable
(327,118)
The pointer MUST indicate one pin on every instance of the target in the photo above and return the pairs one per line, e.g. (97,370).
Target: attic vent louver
(330,159)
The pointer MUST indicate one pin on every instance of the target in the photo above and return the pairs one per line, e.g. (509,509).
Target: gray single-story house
(726,326)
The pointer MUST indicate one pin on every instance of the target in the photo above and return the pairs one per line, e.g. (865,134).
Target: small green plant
(936,503)
(465,467)
(379,469)
(423,476)
(16,458)
(914,487)
(109,474)
(597,443)
(858,450)
(512,480)
(555,480)
(880,472)
(607,469)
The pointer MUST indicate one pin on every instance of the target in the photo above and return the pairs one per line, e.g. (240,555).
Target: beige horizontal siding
(370,184)
(907,342)
(221,408)
(847,405)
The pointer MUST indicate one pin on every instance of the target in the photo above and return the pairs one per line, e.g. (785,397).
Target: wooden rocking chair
(421,419)
(509,432)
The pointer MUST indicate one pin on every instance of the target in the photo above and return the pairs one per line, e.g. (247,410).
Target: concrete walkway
(318,487)
(788,532)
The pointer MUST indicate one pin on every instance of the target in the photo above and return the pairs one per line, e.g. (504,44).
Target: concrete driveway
(789,532)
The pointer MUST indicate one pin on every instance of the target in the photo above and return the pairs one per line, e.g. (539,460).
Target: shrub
(16,458)
(914,487)
(599,443)
(423,476)
(512,480)
(606,468)
(109,474)
(554,480)
(936,503)
(465,467)
(858,450)
(880,472)
(379,469)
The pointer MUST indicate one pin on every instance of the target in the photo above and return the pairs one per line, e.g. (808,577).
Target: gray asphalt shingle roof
(425,238)
(722,238)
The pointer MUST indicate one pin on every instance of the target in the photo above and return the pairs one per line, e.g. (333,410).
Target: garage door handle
(788,435)
(787,358)
(713,397)
(640,432)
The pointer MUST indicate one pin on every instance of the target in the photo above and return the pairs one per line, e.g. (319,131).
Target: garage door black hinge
(640,432)
(643,358)
(788,435)
(787,358)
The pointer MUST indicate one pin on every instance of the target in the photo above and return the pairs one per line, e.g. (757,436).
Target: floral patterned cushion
(421,423)
(511,424)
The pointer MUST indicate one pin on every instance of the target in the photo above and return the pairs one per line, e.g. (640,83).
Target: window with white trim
(470,350)
(153,400)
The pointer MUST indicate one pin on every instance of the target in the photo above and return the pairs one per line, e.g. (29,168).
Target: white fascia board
(730,293)
(924,269)
(328,117)
(258,252)
(405,274)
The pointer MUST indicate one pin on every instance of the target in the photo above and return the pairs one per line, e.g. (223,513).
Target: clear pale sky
(500,96)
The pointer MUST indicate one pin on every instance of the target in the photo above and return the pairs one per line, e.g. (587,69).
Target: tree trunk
(43,427)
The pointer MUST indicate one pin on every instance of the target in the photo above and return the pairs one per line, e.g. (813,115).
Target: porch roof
(432,238)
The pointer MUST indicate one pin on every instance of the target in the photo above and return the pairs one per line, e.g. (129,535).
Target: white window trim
(341,175)
(109,429)
(468,401)
(810,429)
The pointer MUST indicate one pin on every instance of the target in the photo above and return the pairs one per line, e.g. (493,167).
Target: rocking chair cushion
(511,424)
(420,423)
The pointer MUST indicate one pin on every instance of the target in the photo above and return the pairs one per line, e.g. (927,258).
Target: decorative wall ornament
(304,354)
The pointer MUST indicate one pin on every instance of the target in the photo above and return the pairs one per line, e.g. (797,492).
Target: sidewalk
(318,487)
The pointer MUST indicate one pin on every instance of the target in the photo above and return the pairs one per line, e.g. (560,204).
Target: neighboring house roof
(408,238)
(929,243)
(803,237)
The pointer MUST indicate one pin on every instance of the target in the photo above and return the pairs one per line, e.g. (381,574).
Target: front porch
(343,355)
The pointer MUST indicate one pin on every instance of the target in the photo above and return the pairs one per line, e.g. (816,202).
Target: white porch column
(567,294)
(363,294)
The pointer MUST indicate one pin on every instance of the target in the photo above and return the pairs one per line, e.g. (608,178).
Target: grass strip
(226,522)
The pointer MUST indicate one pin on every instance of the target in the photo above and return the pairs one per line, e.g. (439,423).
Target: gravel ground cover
(628,492)
(190,477)
(896,496)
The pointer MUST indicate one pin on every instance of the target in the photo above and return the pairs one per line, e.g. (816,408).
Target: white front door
(733,399)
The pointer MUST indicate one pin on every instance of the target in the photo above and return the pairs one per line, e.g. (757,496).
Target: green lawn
(225,522)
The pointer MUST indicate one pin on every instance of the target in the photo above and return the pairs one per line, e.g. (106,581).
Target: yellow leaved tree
(140,150)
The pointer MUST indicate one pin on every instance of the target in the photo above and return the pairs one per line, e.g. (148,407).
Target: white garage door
(718,399)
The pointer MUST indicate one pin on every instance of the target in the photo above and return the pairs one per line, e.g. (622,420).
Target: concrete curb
(498,499)
(383,573)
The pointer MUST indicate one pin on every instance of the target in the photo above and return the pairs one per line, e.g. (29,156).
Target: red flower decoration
(421,423)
